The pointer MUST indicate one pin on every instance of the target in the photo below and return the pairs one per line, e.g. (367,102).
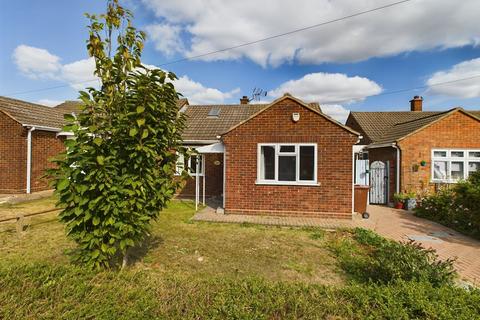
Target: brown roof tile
(388,127)
(201,126)
(27,113)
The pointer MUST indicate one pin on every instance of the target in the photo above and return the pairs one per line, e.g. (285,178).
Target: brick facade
(457,130)
(213,178)
(13,156)
(45,145)
(332,198)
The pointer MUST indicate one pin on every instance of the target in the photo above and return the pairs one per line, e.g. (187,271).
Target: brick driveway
(401,225)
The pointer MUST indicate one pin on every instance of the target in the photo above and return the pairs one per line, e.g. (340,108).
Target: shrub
(385,261)
(458,207)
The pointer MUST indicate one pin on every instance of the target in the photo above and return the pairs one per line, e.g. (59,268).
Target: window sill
(444,181)
(286,183)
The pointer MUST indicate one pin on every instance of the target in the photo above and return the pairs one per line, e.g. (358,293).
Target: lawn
(193,270)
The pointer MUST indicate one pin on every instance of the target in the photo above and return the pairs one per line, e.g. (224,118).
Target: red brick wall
(456,131)
(13,155)
(333,198)
(213,178)
(45,145)
(386,154)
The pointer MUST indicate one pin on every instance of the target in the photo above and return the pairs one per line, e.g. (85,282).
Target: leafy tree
(118,172)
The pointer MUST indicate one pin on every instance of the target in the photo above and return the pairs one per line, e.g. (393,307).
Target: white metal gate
(379,182)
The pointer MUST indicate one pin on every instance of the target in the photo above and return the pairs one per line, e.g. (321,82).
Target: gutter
(44,128)
(29,158)
(200,141)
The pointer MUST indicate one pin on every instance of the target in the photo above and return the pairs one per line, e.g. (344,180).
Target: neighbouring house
(28,138)
(417,151)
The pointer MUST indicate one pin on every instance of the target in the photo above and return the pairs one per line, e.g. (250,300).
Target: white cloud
(463,89)
(328,88)
(166,38)
(79,74)
(36,62)
(199,94)
(416,25)
(336,111)
(49,102)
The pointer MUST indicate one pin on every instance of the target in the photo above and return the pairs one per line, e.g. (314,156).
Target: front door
(379,182)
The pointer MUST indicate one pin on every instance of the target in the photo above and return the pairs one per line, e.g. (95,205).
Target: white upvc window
(287,163)
(452,165)
(190,164)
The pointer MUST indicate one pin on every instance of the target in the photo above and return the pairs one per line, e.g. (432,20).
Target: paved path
(395,224)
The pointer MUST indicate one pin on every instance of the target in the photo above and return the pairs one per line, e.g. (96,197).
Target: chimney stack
(416,103)
(244,100)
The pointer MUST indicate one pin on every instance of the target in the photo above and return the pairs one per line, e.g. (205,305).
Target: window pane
(474,154)
(456,170)
(180,163)
(307,164)
(287,148)
(473,166)
(440,170)
(457,154)
(193,164)
(267,166)
(287,168)
(440,154)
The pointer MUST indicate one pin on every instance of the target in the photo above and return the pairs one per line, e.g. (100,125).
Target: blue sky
(349,65)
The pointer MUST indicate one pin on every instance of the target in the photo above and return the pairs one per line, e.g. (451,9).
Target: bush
(385,261)
(458,207)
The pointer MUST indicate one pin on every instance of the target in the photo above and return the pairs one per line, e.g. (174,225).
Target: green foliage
(68,292)
(399,197)
(458,207)
(118,171)
(384,261)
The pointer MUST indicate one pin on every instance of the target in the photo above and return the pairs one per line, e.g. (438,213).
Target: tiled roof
(27,113)
(201,126)
(69,106)
(388,127)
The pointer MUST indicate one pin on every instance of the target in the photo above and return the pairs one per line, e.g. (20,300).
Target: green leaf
(133,132)
(100,160)
(98,141)
(69,117)
(141,122)
(96,221)
(62,184)
(145,133)
(140,109)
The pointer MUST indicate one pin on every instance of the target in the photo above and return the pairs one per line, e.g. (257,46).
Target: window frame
(466,160)
(297,181)
(187,165)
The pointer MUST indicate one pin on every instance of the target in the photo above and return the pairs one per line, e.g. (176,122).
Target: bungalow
(417,151)
(28,138)
(282,158)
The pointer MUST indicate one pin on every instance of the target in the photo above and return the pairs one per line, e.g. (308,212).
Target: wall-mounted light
(295,116)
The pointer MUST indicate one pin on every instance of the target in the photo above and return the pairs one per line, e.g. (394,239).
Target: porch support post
(204,176)
(197,185)
(29,160)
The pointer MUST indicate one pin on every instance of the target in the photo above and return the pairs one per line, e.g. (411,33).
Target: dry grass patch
(182,247)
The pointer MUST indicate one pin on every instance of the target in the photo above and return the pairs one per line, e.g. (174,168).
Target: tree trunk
(125,260)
